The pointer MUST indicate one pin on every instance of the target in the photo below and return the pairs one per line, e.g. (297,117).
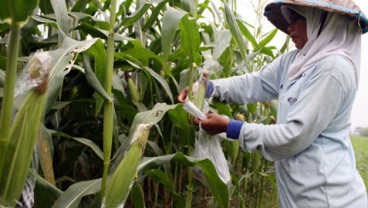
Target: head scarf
(339,35)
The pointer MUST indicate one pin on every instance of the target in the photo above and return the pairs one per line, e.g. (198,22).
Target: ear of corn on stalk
(133,91)
(198,98)
(16,154)
(122,180)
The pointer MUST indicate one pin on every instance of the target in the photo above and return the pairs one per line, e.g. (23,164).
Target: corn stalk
(16,15)
(11,75)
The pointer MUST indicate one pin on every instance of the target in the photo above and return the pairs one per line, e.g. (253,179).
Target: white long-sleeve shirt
(310,144)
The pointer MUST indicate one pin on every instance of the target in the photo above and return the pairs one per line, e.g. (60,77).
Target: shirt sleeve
(249,88)
(233,129)
(318,103)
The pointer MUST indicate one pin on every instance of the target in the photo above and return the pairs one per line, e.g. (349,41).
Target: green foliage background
(360,144)
(109,75)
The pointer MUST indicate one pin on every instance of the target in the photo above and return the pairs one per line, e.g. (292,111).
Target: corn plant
(107,127)
(12,134)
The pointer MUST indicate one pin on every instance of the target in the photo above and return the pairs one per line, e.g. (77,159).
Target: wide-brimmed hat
(348,7)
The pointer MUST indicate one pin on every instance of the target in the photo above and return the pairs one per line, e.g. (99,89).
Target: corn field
(89,116)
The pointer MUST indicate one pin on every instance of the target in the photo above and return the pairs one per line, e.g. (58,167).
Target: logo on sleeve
(292,100)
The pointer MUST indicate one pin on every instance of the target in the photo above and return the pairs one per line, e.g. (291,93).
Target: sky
(360,107)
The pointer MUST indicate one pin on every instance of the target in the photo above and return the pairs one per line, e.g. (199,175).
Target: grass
(360,144)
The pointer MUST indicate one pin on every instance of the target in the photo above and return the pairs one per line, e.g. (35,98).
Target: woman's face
(298,31)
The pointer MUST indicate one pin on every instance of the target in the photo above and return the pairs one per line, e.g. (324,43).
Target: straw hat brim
(275,16)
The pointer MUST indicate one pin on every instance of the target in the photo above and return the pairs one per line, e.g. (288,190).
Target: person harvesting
(315,85)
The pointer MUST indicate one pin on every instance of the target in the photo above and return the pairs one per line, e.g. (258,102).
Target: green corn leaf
(131,57)
(16,156)
(234,28)
(252,108)
(222,41)
(150,117)
(52,189)
(45,193)
(61,58)
(164,179)
(143,55)
(98,52)
(61,14)
(185,130)
(154,16)
(92,30)
(267,51)
(223,109)
(45,6)
(4,27)
(138,196)
(125,5)
(170,21)
(268,38)
(100,33)
(248,35)
(160,176)
(84,141)
(17,11)
(4,11)
(44,20)
(190,40)
(216,185)
(73,195)
(80,5)
(162,82)
(136,16)
(93,81)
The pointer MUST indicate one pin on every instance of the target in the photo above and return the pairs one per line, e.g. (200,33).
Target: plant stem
(190,82)
(108,105)
(9,85)
(188,202)
(195,5)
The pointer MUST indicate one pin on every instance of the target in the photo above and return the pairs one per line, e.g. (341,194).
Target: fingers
(214,124)
(183,95)
(197,121)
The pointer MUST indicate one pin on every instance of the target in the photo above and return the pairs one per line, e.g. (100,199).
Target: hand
(184,92)
(214,124)
(183,95)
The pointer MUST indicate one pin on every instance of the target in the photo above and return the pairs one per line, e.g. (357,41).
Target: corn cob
(133,91)
(199,93)
(16,154)
(122,180)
